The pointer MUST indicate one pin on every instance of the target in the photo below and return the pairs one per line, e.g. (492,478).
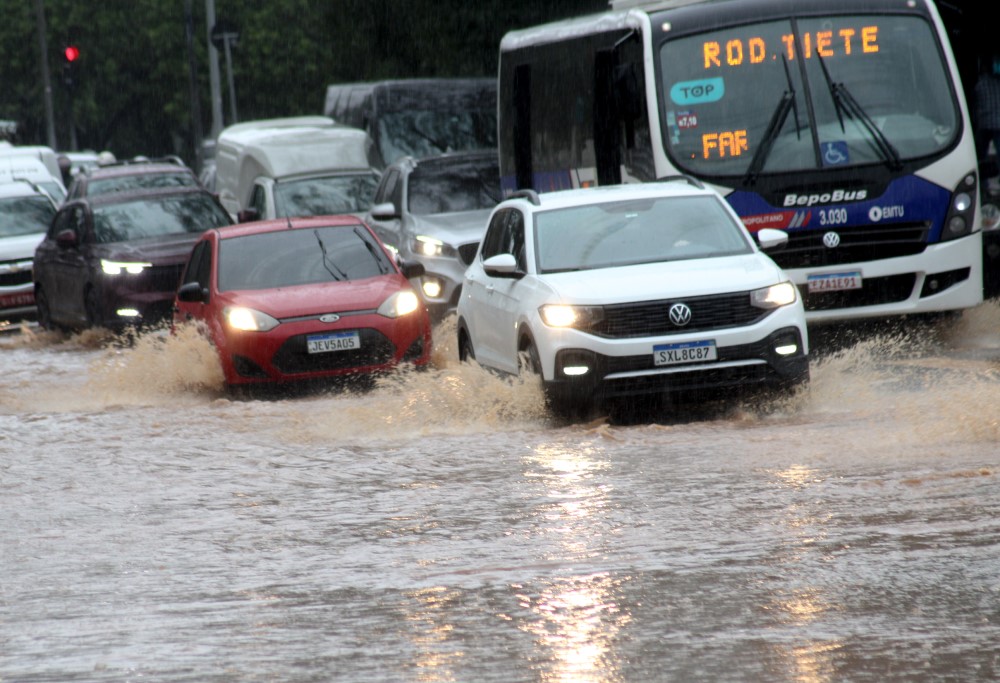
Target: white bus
(842,122)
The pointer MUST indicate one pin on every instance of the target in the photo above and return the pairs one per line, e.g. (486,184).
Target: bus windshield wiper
(844,103)
(785,104)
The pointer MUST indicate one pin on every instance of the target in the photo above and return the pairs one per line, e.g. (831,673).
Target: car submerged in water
(295,302)
(631,291)
(114,260)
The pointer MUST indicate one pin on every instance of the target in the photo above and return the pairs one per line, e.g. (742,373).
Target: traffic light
(71,53)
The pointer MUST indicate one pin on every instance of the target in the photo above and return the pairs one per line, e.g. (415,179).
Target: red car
(292,300)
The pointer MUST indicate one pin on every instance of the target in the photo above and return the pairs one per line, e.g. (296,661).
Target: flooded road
(443,528)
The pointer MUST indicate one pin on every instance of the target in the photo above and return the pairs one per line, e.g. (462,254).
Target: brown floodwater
(444,527)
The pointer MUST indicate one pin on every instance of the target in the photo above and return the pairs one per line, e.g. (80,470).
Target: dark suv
(115,260)
(131,175)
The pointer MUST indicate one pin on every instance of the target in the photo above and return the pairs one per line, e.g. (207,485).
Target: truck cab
(296,166)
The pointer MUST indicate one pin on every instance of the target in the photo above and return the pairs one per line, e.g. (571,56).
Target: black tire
(92,308)
(465,351)
(44,310)
(528,360)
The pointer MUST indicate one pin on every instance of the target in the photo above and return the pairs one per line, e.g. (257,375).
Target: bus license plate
(335,341)
(688,352)
(834,282)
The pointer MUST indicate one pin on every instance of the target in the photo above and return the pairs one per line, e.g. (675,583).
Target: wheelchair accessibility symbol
(834,153)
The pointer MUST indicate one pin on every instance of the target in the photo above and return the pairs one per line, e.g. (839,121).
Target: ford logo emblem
(680,315)
(831,240)
(329,318)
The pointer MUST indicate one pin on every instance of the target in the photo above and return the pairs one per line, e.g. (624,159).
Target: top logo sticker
(698,92)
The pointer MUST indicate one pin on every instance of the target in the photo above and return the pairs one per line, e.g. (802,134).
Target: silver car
(434,211)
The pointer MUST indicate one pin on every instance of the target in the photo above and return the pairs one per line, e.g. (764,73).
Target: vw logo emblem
(329,318)
(831,240)
(680,315)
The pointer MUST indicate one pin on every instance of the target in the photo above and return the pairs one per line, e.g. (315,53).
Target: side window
(258,201)
(83,222)
(396,197)
(387,188)
(199,265)
(497,238)
(62,221)
(517,239)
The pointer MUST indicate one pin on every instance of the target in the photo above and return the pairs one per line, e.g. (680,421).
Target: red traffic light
(71,53)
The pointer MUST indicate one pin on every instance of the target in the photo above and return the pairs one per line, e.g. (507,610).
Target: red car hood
(325,297)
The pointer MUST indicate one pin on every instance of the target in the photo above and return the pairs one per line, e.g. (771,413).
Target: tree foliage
(131,89)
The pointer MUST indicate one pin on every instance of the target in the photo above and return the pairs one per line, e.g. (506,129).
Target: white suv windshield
(635,231)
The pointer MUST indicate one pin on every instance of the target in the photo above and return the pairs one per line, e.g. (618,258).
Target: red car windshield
(287,258)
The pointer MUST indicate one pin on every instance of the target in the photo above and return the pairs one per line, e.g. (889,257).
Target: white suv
(631,290)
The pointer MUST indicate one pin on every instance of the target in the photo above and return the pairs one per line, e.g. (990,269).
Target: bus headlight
(958,222)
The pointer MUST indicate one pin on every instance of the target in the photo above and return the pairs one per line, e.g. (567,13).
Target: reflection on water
(441,527)
(578,622)
(577,618)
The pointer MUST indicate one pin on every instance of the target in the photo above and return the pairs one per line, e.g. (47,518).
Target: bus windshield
(803,94)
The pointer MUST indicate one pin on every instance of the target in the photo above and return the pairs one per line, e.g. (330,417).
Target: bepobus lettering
(834,197)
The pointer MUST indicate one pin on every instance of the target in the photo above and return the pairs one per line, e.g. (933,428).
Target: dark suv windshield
(846,90)
(157,216)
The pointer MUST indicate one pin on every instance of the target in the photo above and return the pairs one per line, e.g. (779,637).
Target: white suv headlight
(565,315)
(774,296)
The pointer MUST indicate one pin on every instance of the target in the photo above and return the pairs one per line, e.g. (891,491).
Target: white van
(45,158)
(27,168)
(297,166)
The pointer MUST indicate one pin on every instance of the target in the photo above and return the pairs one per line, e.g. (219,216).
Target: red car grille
(292,358)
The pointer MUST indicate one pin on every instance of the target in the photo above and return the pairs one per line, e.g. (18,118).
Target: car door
(491,301)
(65,268)
(198,270)
(507,295)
